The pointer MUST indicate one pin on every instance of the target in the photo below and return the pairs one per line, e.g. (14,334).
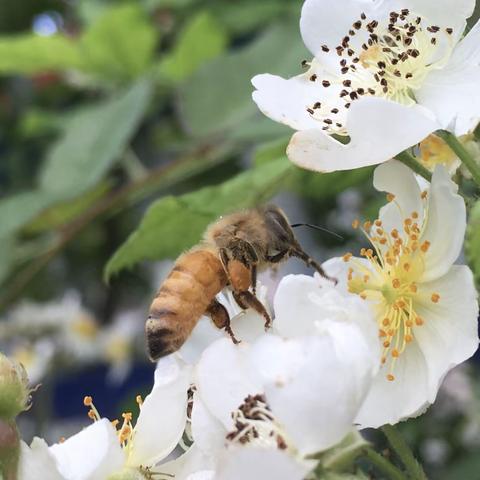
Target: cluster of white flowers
(369,351)
(43,336)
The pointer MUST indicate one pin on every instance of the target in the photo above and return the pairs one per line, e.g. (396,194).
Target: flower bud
(14,391)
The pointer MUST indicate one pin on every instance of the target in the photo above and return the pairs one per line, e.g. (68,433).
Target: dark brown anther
(382,65)
(353,95)
(313,77)
(408,41)
(325,83)
(304,63)
(433,41)
(361,91)
(334,110)
(339,125)
(357,25)
(339,50)
(325,48)
(310,111)
(328,121)
(397,73)
(363,16)
(365,47)
(385,89)
(383,82)
(356,60)
(371,91)
(347,83)
(409,75)
(317,105)
(347,105)
(344,70)
(449,30)
(343,63)
(418,20)
(343,93)
(350,52)
(351,33)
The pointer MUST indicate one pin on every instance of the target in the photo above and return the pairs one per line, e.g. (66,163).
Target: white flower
(101,451)
(385,73)
(426,307)
(118,342)
(298,390)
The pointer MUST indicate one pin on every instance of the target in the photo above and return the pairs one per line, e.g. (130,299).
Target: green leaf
(121,43)
(202,39)
(93,140)
(173,224)
(472,241)
(218,96)
(31,53)
(271,150)
(16,210)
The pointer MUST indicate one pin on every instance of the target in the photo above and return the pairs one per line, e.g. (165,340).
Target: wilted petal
(163,415)
(373,125)
(92,454)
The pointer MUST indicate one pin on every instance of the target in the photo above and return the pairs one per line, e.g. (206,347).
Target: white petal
(163,415)
(259,464)
(373,125)
(445,225)
(207,431)
(452,92)
(223,379)
(92,454)
(444,13)
(316,385)
(396,178)
(36,462)
(204,333)
(286,101)
(192,465)
(449,335)
(389,402)
(326,22)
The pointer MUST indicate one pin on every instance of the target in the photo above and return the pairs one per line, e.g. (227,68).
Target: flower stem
(461,152)
(410,161)
(400,446)
(383,464)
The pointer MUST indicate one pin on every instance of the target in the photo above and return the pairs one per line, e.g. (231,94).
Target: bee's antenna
(316,227)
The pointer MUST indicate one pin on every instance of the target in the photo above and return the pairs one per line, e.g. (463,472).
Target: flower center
(388,276)
(254,423)
(390,59)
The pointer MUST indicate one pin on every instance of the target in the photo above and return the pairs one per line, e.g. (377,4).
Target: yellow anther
(88,401)
(378,223)
(391,333)
(383,360)
(435,297)
(419,321)
(390,197)
(127,416)
(425,246)
(380,231)
(401,304)
(408,221)
(114,423)
(413,237)
(139,400)
(381,333)
(386,322)
(390,377)
(409,323)
(355,224)
(347,257)
(415,215)
(386,344)
(366,278)
(396,283)
(383,241)
(424,194)
(369,252)
(413,288)
(395,353)
(394,233)
(406,267)
(408,338)
(91,414)
(363,296)
(61,440)
(367,225)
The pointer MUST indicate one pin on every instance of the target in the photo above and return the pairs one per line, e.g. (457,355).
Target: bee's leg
(310,262)
(221,319)
(247,299)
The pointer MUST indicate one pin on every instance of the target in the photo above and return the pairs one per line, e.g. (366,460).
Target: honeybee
(233,250)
